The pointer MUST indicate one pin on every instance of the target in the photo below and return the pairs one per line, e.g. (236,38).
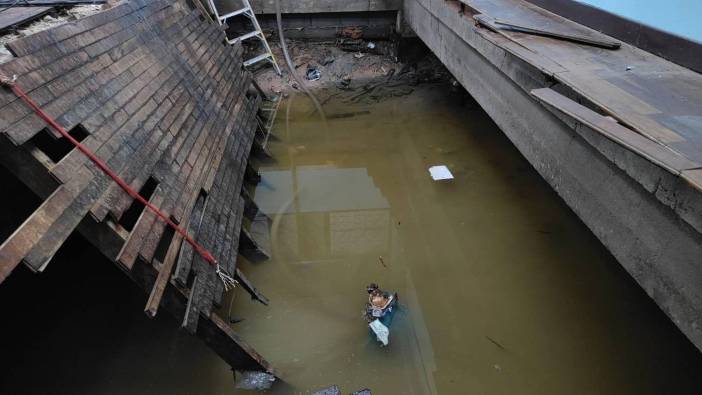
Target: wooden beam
(216,333)
(250,288)
(580,39)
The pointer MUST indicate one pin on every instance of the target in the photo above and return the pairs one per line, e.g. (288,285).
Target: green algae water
(502,289)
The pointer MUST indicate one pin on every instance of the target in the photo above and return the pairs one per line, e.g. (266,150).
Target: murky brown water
(492,255)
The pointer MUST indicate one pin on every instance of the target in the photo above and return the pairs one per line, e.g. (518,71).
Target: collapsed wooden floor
(152,89)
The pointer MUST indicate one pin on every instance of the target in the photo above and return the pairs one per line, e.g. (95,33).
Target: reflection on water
(503,290)
(352,214)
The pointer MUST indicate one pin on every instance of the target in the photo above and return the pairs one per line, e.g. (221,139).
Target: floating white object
(381,331)
(440,173)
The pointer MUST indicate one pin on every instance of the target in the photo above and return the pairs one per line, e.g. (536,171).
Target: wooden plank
(18,245)
(169,261)
(20,15)
(216,333)
(628,138)
(41,66)
(186,252)
(128,255)
(231,243)
(116,152)
(205,280)
(580,39)
(250,288)
(160,96)
(650,95)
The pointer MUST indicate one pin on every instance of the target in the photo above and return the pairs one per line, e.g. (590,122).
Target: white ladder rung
(245,36)
(234,13)
(257,59)
(258,33)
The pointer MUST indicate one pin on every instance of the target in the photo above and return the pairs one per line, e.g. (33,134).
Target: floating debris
(254,380)
(439,173)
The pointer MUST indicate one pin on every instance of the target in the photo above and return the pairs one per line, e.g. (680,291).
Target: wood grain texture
(162,98)
(652,96)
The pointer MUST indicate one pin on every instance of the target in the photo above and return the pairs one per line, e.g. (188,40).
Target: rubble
(333,71)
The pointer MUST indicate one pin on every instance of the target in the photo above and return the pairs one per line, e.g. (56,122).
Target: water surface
(503,289)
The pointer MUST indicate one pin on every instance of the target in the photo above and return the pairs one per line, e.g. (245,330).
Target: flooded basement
(502,289)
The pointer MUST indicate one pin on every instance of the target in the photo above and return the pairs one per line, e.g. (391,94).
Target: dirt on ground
(353,76)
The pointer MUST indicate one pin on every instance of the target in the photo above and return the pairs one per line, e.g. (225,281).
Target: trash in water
(254,380)
(380,309)
(371,45)
(363,392)
(313,73)
(440,173)
(359,55)
(333,390)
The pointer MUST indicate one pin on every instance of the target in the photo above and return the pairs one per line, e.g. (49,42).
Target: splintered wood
(163,101)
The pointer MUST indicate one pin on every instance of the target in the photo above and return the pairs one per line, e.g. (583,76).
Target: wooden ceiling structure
(151,88)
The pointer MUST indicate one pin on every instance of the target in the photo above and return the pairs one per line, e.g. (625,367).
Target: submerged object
(255,380)
(333,390)
(380,310)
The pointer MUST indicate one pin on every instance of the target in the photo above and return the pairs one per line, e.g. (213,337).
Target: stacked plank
(164,101)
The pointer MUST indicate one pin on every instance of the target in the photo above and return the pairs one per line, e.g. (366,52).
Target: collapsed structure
(152,89)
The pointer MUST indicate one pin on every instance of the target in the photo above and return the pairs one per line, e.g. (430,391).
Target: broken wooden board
(576,38)
(151,89)
(652,96)
(16,16)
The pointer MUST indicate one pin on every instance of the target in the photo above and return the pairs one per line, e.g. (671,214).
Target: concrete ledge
(629,203)
(318,6)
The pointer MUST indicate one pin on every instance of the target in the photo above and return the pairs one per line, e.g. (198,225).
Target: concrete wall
(313,6)
(629,203)
(321,19)
(374,25)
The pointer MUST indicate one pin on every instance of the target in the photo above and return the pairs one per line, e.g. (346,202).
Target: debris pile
(352,70)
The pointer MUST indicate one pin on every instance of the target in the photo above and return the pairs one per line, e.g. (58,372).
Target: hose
(288,61)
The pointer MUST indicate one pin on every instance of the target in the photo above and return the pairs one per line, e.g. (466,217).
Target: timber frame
(154,91)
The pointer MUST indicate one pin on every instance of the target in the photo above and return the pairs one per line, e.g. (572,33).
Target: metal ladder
(247,11)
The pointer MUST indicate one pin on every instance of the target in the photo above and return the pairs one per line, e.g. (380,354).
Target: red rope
(103,166)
